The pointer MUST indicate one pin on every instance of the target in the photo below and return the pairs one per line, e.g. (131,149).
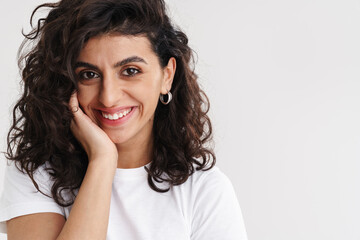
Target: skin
(105,83)
(126,145)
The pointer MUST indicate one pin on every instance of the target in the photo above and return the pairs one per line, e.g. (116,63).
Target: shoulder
(15,177)
(209,189)
(21,197)
(215,210)
(213,178)
(19,185)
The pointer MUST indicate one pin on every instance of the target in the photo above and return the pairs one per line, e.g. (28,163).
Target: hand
(94,140)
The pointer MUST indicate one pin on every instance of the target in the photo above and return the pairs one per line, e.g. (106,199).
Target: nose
(111,91)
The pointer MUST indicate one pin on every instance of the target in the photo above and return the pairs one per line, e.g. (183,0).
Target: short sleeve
(216,210)
(20,197)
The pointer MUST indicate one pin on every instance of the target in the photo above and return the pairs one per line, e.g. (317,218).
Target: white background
(283,81)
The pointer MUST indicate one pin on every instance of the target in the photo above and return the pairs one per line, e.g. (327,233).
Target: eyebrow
(118,64)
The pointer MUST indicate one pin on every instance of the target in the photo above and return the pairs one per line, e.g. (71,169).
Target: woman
(110,133)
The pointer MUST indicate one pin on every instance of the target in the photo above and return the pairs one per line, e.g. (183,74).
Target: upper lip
(113,110)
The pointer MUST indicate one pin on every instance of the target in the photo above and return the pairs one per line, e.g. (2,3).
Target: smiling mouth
(117,115)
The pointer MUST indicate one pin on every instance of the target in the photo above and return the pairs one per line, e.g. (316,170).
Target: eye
(130,72)
(86,75)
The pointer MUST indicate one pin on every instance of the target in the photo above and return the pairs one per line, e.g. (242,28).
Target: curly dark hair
(40,131)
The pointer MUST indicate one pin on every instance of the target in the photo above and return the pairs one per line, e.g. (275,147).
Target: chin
(118,140)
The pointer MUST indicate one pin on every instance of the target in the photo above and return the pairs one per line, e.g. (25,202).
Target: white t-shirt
(205,207)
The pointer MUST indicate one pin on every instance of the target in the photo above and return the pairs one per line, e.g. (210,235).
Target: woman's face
(120,80)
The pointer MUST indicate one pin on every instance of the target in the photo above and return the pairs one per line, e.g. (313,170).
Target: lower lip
(117,122)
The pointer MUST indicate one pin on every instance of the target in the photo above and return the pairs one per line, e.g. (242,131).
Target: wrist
(103,162)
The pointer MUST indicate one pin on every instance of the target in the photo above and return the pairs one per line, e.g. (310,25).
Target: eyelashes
(130,72)
(86,75)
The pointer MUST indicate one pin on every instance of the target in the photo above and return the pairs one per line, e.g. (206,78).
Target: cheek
(149,94)
(152,88)
(85,96)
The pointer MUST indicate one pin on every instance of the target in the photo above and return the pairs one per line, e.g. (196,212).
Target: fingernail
(74,109)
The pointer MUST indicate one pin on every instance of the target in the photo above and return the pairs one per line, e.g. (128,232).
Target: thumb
(74,104)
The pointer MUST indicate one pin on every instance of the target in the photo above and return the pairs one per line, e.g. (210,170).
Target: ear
(169,73)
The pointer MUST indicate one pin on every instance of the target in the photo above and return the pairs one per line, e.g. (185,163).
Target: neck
(134,154)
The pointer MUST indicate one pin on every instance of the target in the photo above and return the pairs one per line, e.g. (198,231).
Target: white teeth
(116,116)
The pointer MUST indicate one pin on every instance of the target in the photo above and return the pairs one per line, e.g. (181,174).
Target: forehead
(113,47)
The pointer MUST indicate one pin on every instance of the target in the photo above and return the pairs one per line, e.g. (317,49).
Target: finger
(72,125)
(73,102)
